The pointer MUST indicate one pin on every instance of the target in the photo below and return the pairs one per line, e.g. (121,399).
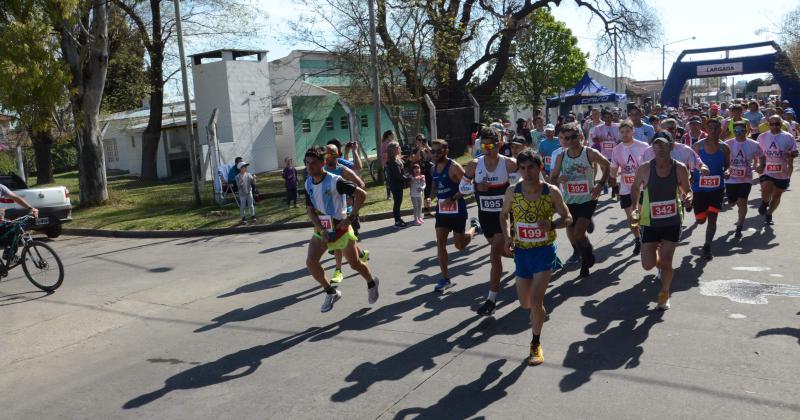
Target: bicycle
(35,255)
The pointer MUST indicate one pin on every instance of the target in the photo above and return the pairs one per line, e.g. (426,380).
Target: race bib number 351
(663,209)
(492,203)
(448,209)
(711,181)
(530,233)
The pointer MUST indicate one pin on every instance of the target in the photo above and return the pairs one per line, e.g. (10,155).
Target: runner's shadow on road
(597,281)
(269,283)
(266,308)
(464,401)
(298,244)
(377,233)
(787,331)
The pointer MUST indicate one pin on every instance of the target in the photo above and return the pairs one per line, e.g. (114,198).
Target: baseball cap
(241,164)
(715,107)
(550,127)
(789,111)
(663,136)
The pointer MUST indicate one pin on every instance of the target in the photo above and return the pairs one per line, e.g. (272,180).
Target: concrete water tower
(236,83)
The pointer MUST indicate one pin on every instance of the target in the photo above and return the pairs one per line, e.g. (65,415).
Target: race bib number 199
(530,233)
(663,209)
(492,203)
(447,209)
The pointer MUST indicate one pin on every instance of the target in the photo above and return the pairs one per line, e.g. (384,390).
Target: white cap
(550,127)
(241,164)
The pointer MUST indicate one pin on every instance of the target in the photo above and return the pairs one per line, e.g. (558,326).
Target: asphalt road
(229,327)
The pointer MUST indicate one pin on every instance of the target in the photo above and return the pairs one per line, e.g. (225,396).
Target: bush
(8,162)
(65,158)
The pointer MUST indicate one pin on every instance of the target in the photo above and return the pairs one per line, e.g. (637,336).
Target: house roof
(362,95)
(169,109)
(236,53)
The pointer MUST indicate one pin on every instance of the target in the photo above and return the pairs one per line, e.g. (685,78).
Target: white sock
(492,296)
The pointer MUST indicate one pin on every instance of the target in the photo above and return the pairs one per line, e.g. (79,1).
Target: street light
(664,52)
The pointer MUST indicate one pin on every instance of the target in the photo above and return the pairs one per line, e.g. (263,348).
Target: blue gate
(777,63)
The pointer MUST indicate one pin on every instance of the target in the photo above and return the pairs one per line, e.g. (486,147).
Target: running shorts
(584,210)
(779,183)
(705,202)
(737,191)
(530,261)
(661,233)
(456,224)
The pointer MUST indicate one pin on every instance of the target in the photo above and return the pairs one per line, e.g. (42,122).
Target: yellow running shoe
(663,301)
(337,276)
(537,355)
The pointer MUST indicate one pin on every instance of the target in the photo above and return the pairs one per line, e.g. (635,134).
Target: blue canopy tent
(587,92)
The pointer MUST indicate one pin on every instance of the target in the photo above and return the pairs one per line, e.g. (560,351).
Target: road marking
(747,291)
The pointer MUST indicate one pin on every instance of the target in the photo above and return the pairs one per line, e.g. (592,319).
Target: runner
(451,209)
(745,155)
(695,132)
(327,209)
(779,150)
(735,115)
(591,122)
(488,176)
(334,165)
(547,146)
(660,213)
(531,204)
(641,131)
(625,159)
(680,152)
(709,189)
(574,169)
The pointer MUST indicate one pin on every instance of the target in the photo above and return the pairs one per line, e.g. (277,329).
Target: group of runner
(655,177)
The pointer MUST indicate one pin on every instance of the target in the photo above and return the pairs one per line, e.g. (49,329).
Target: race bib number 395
(492,203)
(530,233)
(663,209)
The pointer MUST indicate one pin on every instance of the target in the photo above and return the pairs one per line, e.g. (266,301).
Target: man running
(745,155)
(779,149)
(531,204)
(488,177)
(334,165)
(326,196)
(625,160)
(709,189)
(574,169)
(607,135)
(547,146)
(680,152)
(660,213)
(641,131)
(451,209)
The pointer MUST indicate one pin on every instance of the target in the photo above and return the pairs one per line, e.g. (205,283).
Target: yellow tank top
(526,213)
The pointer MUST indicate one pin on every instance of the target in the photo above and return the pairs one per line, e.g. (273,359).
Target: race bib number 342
(491,203)
(663,209)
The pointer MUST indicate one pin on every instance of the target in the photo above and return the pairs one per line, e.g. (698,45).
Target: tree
(156,27)
(126,81)
(82,27)
(546,58)
(33,80)
(790,36)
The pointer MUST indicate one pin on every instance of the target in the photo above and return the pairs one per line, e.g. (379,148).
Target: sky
(712,23)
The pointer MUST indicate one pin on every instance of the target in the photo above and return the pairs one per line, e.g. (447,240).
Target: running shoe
(768,219)
(330,299)
(442,285)
(364,257)
(762,209)
(707,252)
(637,246)
(337,276)
(487,308)
(575,258)
(473,222)
(372,292)
(738,233)
(663,301)
(537,355)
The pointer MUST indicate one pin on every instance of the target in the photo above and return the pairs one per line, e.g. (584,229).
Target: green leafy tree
(126,81)
(547,58)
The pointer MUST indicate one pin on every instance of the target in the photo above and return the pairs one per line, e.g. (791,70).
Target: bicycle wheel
(373,169)
(42,266)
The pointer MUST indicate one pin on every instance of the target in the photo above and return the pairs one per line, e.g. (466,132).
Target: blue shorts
(534,260)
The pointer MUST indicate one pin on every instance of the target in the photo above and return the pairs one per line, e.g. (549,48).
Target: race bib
(663,209)
(578,187)
(710,181)
(548,160)
(628,179)
(738,172)
(608,145)
(327,223)
(492,203)
(445,209)
(774,168)
(530,233)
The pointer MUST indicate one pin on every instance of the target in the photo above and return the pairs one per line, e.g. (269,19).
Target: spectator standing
(388,137)
(233,171)
(290,180)
(395,180)
(245,182)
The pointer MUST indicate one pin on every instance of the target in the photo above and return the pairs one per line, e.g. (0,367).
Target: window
(278,128)
(344,122)
(133,142)
(364,121)
(110,147)
(306,125)
(329,123)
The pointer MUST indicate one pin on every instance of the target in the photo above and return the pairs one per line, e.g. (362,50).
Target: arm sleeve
(345,187)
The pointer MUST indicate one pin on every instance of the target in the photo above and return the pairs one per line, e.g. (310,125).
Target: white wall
(285,142)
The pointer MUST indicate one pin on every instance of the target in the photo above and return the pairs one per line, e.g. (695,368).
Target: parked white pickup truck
(53,203)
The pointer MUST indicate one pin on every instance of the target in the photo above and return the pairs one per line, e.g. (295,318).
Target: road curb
(142,234)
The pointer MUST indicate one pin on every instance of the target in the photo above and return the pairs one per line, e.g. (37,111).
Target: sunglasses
(571,137)
(487,146)
(775,124)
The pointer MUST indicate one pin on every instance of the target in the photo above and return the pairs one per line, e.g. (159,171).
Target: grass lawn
(137,205)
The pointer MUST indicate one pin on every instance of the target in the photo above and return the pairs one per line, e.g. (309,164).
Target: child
(245,182)
(290,179)
(417,188)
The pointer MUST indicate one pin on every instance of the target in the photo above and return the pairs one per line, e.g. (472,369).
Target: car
(53,203)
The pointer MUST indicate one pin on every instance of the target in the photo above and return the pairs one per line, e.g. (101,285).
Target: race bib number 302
(327,223)
(491,203)
(447,209)
(578,187)
(530,233)
(663,209)
(710,181)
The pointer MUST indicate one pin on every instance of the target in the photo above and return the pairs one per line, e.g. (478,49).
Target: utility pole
(616,83)
(376,92)
(194,164)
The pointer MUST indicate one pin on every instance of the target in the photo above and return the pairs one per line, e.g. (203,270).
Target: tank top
(446,188)
(491,201)
(715,179)
(527,213)
(325,197)
(580,177)
(660,204)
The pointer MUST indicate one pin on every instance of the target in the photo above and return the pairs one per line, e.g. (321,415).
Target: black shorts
(661,233)
(625,201)
(490,223)
(705,202)
(456,224)
(737,191)
(779,183)
(584,210)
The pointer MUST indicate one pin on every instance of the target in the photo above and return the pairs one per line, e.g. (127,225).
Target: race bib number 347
(491,203)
